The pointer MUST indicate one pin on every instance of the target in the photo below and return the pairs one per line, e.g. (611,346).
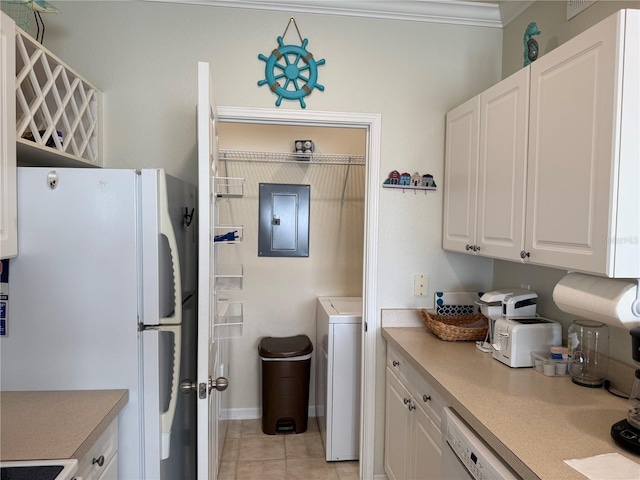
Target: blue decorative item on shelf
(530,45)
(284,63)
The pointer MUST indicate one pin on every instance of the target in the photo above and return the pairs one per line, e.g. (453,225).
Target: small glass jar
(588,345)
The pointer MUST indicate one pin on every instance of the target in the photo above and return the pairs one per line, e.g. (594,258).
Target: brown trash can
(286,367)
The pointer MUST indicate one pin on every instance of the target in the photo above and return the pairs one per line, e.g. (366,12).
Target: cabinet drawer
(99,457)
(427,398)
(400,366)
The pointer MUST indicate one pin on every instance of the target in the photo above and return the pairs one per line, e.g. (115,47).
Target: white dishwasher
(466,455)
(338,347)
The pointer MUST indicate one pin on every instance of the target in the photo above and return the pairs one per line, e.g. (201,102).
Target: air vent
(574,7)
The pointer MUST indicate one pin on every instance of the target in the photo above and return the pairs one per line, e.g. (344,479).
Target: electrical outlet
(420,284)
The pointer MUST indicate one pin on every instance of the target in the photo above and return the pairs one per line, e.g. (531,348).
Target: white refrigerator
(102,296)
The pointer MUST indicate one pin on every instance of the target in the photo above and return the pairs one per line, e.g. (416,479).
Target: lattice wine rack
(57,111)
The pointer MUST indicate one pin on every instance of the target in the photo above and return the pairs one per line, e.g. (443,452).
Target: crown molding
(430,11)
(510,10)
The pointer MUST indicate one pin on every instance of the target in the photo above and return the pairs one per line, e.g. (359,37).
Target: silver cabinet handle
(99,461)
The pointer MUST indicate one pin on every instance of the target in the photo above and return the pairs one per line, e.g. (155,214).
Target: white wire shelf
(57,111)
(228,187)
(276,157)
(228,277)
(229,320)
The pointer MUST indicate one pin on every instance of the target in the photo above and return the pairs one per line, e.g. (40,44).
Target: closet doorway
(357,135)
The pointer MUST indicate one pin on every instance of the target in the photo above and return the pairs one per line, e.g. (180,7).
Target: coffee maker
(626,432)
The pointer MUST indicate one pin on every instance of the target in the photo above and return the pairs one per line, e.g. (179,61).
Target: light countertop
(55,424)
(532,421)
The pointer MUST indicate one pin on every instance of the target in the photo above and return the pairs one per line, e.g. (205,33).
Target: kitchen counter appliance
(508,302)
(516,338)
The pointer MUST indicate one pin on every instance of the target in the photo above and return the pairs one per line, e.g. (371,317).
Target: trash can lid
(285,347)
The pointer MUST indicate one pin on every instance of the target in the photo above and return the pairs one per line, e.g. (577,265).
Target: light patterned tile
(310,469)
(261,470)
(304,446)
(312,427)
(230,450)
(266,447)
(251,428)
(235,429)
(348,470)
(227,471)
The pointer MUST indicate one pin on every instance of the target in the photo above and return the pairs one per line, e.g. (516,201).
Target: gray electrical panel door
(284,220)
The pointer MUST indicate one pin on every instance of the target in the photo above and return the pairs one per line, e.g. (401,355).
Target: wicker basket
(451,328)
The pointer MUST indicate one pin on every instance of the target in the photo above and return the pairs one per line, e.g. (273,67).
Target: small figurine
(530,45)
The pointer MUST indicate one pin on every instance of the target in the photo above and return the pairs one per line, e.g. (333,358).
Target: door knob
(219,384)
(187,386)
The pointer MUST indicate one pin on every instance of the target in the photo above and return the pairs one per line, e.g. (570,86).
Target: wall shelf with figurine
(406,181)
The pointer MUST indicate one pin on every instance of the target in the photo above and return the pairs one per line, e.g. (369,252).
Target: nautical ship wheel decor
(294,66)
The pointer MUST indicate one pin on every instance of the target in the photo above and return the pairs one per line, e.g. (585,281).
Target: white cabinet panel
(8,205)
(503,167)
(583,212)
(460,176)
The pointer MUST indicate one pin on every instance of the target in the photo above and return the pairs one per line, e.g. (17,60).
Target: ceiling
(496,13)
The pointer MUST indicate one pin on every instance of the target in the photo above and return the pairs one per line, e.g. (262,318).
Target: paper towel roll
(604,300)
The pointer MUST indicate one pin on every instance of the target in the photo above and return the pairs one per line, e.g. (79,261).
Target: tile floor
(249,454)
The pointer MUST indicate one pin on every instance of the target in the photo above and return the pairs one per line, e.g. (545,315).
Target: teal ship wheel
(299,78)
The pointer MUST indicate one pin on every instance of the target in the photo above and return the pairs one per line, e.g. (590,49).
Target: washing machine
(338,347)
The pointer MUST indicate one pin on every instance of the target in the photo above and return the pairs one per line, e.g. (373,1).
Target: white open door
(208,356)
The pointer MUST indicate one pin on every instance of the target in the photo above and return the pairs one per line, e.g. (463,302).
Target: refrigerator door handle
(166,418)
(166,229)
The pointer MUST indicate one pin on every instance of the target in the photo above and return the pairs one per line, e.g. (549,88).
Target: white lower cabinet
(101,461)
(413,443)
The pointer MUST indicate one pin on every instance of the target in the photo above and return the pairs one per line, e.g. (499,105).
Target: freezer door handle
(166,418)
(166,229)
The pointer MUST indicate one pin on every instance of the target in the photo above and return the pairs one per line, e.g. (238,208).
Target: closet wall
(279,294)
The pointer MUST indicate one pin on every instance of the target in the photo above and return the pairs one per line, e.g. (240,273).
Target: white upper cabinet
(583,200)
(8,205)
(461,177)
(485,171)
(504,115)
(548,171)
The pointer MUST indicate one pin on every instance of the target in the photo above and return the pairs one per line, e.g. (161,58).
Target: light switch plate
(420,284)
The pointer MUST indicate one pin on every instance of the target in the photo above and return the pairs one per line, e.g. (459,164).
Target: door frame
(372,123)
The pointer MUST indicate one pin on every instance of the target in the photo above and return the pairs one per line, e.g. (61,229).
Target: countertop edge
(102,426)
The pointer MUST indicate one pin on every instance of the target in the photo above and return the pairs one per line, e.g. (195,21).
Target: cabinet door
(397,429)
(110,472)
(8,205)
(425,448)
(575,91)
(460,176)
(504,119)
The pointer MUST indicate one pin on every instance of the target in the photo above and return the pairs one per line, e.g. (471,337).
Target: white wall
(143,57)
(551,18)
